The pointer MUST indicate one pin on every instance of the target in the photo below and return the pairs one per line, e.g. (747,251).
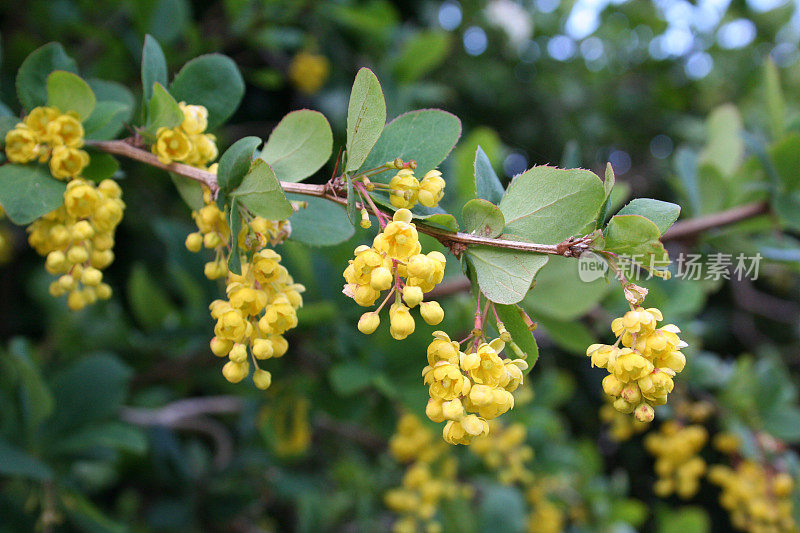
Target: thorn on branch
(456,248)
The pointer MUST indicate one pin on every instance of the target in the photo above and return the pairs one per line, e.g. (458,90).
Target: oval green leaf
(366,117)
(68,92)
(213,81)
(482,218)
(299,145)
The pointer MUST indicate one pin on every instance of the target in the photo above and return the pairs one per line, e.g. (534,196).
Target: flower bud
(194,242)
(381,279)
(401,322)
(262,379)
(431,312)
(238,353)
(643,412)
(453,409)
(220,347)
(412,296)
(262,349)
(368,322)
(235,372)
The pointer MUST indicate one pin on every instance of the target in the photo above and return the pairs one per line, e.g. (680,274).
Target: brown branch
(691,227)
(448,238)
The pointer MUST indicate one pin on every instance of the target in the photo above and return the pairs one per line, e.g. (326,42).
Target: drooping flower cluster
(395,263)
(77,239)
(308,72)
(469,388)
(759,500)
(261,302)
(641,371)
(187,143)
(48,134)
(406,191)
(429,479)
(678,465)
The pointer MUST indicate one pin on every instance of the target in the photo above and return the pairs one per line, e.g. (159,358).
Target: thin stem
(365,195)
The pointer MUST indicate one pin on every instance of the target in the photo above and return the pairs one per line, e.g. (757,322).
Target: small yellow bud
(262,379)
(76,301)
(211,240)
(238,353)
(66,282)
(381,279)
(77,254)
(365,222)
(431,312)
(235,372)
(103,291)
(262,349)
(368,322)
(220,347)
(91,277)
(643,412)
(401,322)
(194,242)
(56,262)
(412,296)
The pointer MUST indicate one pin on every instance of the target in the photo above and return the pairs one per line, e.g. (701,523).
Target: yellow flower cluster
(758,499)
(504,450)
(429,479)
(261,306)
(678,465)
(469,388)
(47,133)
(545,515)
(406,191)
(287,418)
(395,254)
(261,302)
(77,239)
(308,72)
(187,143)
(621,427)
(641,372)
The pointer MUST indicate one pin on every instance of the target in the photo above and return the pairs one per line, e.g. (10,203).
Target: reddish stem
(365,196)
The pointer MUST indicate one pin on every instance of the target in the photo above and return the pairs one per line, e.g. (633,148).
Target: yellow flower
(171,145)
(442,349)
(399,239)
(67,162)
(401,323)
(21,145)
(445,380)
(81,198)
(195,118)
(431,188)
(404,188)
(279,316)
(308,72)
(65,129)
(631,365)
(431,312)
(484,365)
(368,323)
(231,325)
(38,119)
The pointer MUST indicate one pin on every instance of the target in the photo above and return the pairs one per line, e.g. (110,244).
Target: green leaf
(426,135)
(90,390)
(149,304)
(463,160)
(502,508)
(213,81)
(725,146)
(776,106)
(15,462)
(299,145)
(608,187)
(444,221)
(235,163)
(487,184)
(683,520)
(29,191)
(352,210)
(261,193)
(235,223)
(106,121)
(32,75)
(85,516)
(504,276)
(784,423)
(785,156)
(101,166)
(637,238)
(547,205)
(114,435)
(421,54)
(662,214)
(68,92)
(7,124)
(154,66)
(366,117)
(482,218)
(321,223)
(609,180)
(190,190)
(520,334)
(569,335)
(35,396)
(350,378)
(162,111)
(561,292)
